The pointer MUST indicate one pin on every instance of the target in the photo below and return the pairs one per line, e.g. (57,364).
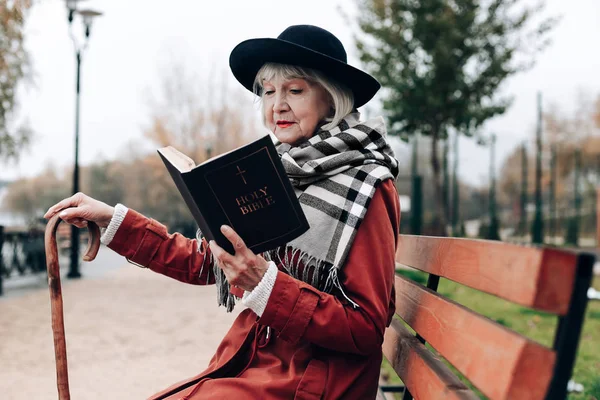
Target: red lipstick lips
(284,124)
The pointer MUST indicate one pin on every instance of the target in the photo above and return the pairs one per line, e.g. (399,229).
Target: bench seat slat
(538,278)
(423,373)
(498,361)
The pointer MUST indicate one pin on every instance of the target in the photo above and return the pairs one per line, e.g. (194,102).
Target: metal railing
(21,253)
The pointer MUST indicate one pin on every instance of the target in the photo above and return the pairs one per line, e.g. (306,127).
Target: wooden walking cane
(56,303)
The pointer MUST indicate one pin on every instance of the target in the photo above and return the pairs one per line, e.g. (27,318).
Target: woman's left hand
(244,269)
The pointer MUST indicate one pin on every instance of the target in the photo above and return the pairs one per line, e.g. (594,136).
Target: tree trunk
(441,210)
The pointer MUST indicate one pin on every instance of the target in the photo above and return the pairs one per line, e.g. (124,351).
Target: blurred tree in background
(441,63)
(200,117)
(472,202)
(569,135)
(14,67)
(579,129)
(31,197)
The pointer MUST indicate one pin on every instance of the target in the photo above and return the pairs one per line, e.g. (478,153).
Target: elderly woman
(318,307)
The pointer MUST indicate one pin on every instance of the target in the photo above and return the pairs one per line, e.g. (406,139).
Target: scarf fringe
(325,276)
(224,296)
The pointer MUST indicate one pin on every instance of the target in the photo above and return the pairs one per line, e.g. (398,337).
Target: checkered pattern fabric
(334,174)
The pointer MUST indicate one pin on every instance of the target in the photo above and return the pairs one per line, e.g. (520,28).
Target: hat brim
(250,55)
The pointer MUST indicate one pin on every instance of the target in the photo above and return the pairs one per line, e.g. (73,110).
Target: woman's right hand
(80,208)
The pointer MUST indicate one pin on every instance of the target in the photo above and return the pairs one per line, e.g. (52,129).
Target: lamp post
(416,190)
(524,200)
(456,230)
(446,175)
(537,229)
(552,200)
(577,190)
(492,233)
(87,17)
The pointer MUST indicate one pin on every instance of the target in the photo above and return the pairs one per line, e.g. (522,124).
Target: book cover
(246,188)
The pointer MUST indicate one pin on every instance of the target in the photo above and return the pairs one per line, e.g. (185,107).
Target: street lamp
(87,17)
(493,233)
(416,206)
(456,230)
(537,229)
(524,194)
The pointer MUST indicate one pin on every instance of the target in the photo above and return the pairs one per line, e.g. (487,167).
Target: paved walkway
(130,333)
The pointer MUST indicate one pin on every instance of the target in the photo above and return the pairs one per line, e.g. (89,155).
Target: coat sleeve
(298,311)
(147,243)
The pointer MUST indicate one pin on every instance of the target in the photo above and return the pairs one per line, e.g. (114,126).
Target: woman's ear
(331,111)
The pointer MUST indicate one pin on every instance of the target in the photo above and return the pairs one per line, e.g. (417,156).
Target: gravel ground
(130,333)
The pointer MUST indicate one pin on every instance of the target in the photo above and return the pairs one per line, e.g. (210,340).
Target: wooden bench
(499,362)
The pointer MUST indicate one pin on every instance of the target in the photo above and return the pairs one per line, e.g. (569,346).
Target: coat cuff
(257,299)
(115,223)
(138,238)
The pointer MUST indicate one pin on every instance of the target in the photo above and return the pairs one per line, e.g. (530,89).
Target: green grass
(536,325)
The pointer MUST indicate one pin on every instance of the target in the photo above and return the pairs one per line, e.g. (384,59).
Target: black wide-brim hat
(304,46)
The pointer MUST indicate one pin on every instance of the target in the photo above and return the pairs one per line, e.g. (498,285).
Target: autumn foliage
(185,114)
(14,69)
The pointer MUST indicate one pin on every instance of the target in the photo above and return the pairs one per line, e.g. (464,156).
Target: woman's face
(293,108)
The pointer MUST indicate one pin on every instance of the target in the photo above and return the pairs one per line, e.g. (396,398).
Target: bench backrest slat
(538,278)
(414,363)
(472,343)
(498,361)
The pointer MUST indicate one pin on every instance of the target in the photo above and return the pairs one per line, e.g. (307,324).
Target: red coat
(319,346)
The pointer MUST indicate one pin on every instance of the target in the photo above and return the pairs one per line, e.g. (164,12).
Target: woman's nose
(280,104)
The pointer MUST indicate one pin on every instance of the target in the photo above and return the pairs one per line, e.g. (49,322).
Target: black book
(246,188)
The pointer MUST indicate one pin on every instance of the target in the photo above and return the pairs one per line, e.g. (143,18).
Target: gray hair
(341,97)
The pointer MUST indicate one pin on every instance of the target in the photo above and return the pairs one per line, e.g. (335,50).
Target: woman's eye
(296,91)
(268,92)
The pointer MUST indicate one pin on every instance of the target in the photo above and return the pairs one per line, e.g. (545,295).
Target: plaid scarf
(334,174)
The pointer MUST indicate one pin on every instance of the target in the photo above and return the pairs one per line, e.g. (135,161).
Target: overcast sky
(134,38)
